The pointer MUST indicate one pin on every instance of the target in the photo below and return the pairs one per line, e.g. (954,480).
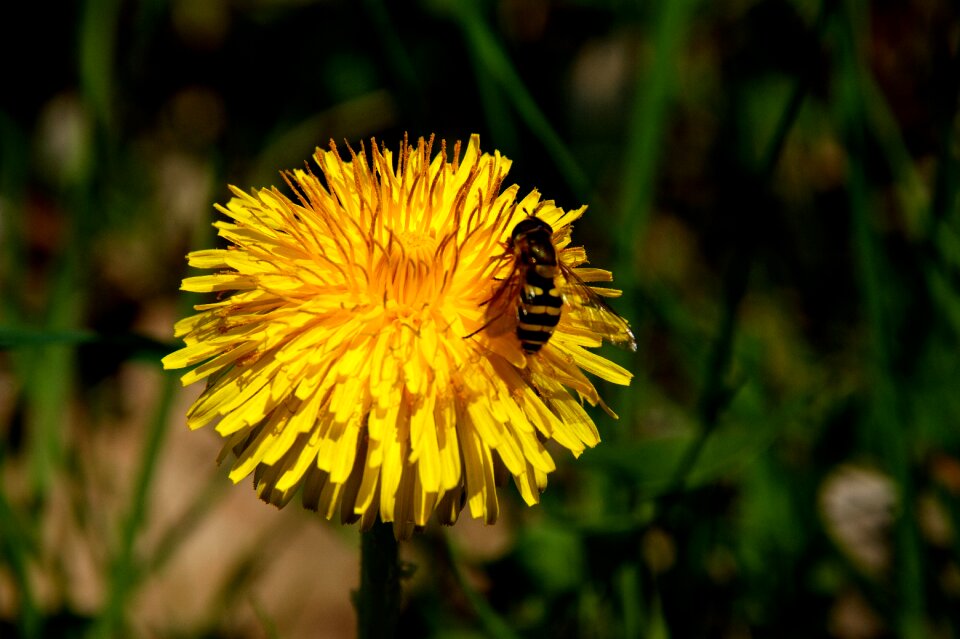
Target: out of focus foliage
(775,183)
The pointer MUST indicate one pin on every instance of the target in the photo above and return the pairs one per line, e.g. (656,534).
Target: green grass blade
(97,34)
(886,415)
(715,393)
(653,94)
(125,567)
(500,119)
(129,345)
(486,48)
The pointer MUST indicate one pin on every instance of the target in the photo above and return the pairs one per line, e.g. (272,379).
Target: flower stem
(378,600)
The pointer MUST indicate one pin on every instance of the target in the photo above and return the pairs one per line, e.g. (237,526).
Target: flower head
(354,353)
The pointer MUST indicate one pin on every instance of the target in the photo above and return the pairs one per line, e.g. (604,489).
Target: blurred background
(774,183)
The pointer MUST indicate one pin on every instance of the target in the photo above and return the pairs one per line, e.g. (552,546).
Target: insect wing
(593,313)
(507,294)
(501,305)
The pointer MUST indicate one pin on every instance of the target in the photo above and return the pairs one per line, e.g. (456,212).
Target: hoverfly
(533,283)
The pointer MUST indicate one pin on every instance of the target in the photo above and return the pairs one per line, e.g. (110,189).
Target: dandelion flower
(351,355)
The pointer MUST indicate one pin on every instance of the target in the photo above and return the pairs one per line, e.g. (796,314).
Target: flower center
(408,270)
(417,247)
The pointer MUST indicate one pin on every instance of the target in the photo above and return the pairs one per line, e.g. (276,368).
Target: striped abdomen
(540,301)
(539,310)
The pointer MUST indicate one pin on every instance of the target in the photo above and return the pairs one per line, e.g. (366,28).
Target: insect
(533,283)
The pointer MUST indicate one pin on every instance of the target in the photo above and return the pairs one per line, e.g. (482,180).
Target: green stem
(378,600)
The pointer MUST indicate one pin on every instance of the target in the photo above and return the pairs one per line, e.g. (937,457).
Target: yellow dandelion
(360,350)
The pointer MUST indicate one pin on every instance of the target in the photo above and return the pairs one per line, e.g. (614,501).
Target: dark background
(773,182)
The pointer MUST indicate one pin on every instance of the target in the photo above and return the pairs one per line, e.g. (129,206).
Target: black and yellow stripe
(539,310)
